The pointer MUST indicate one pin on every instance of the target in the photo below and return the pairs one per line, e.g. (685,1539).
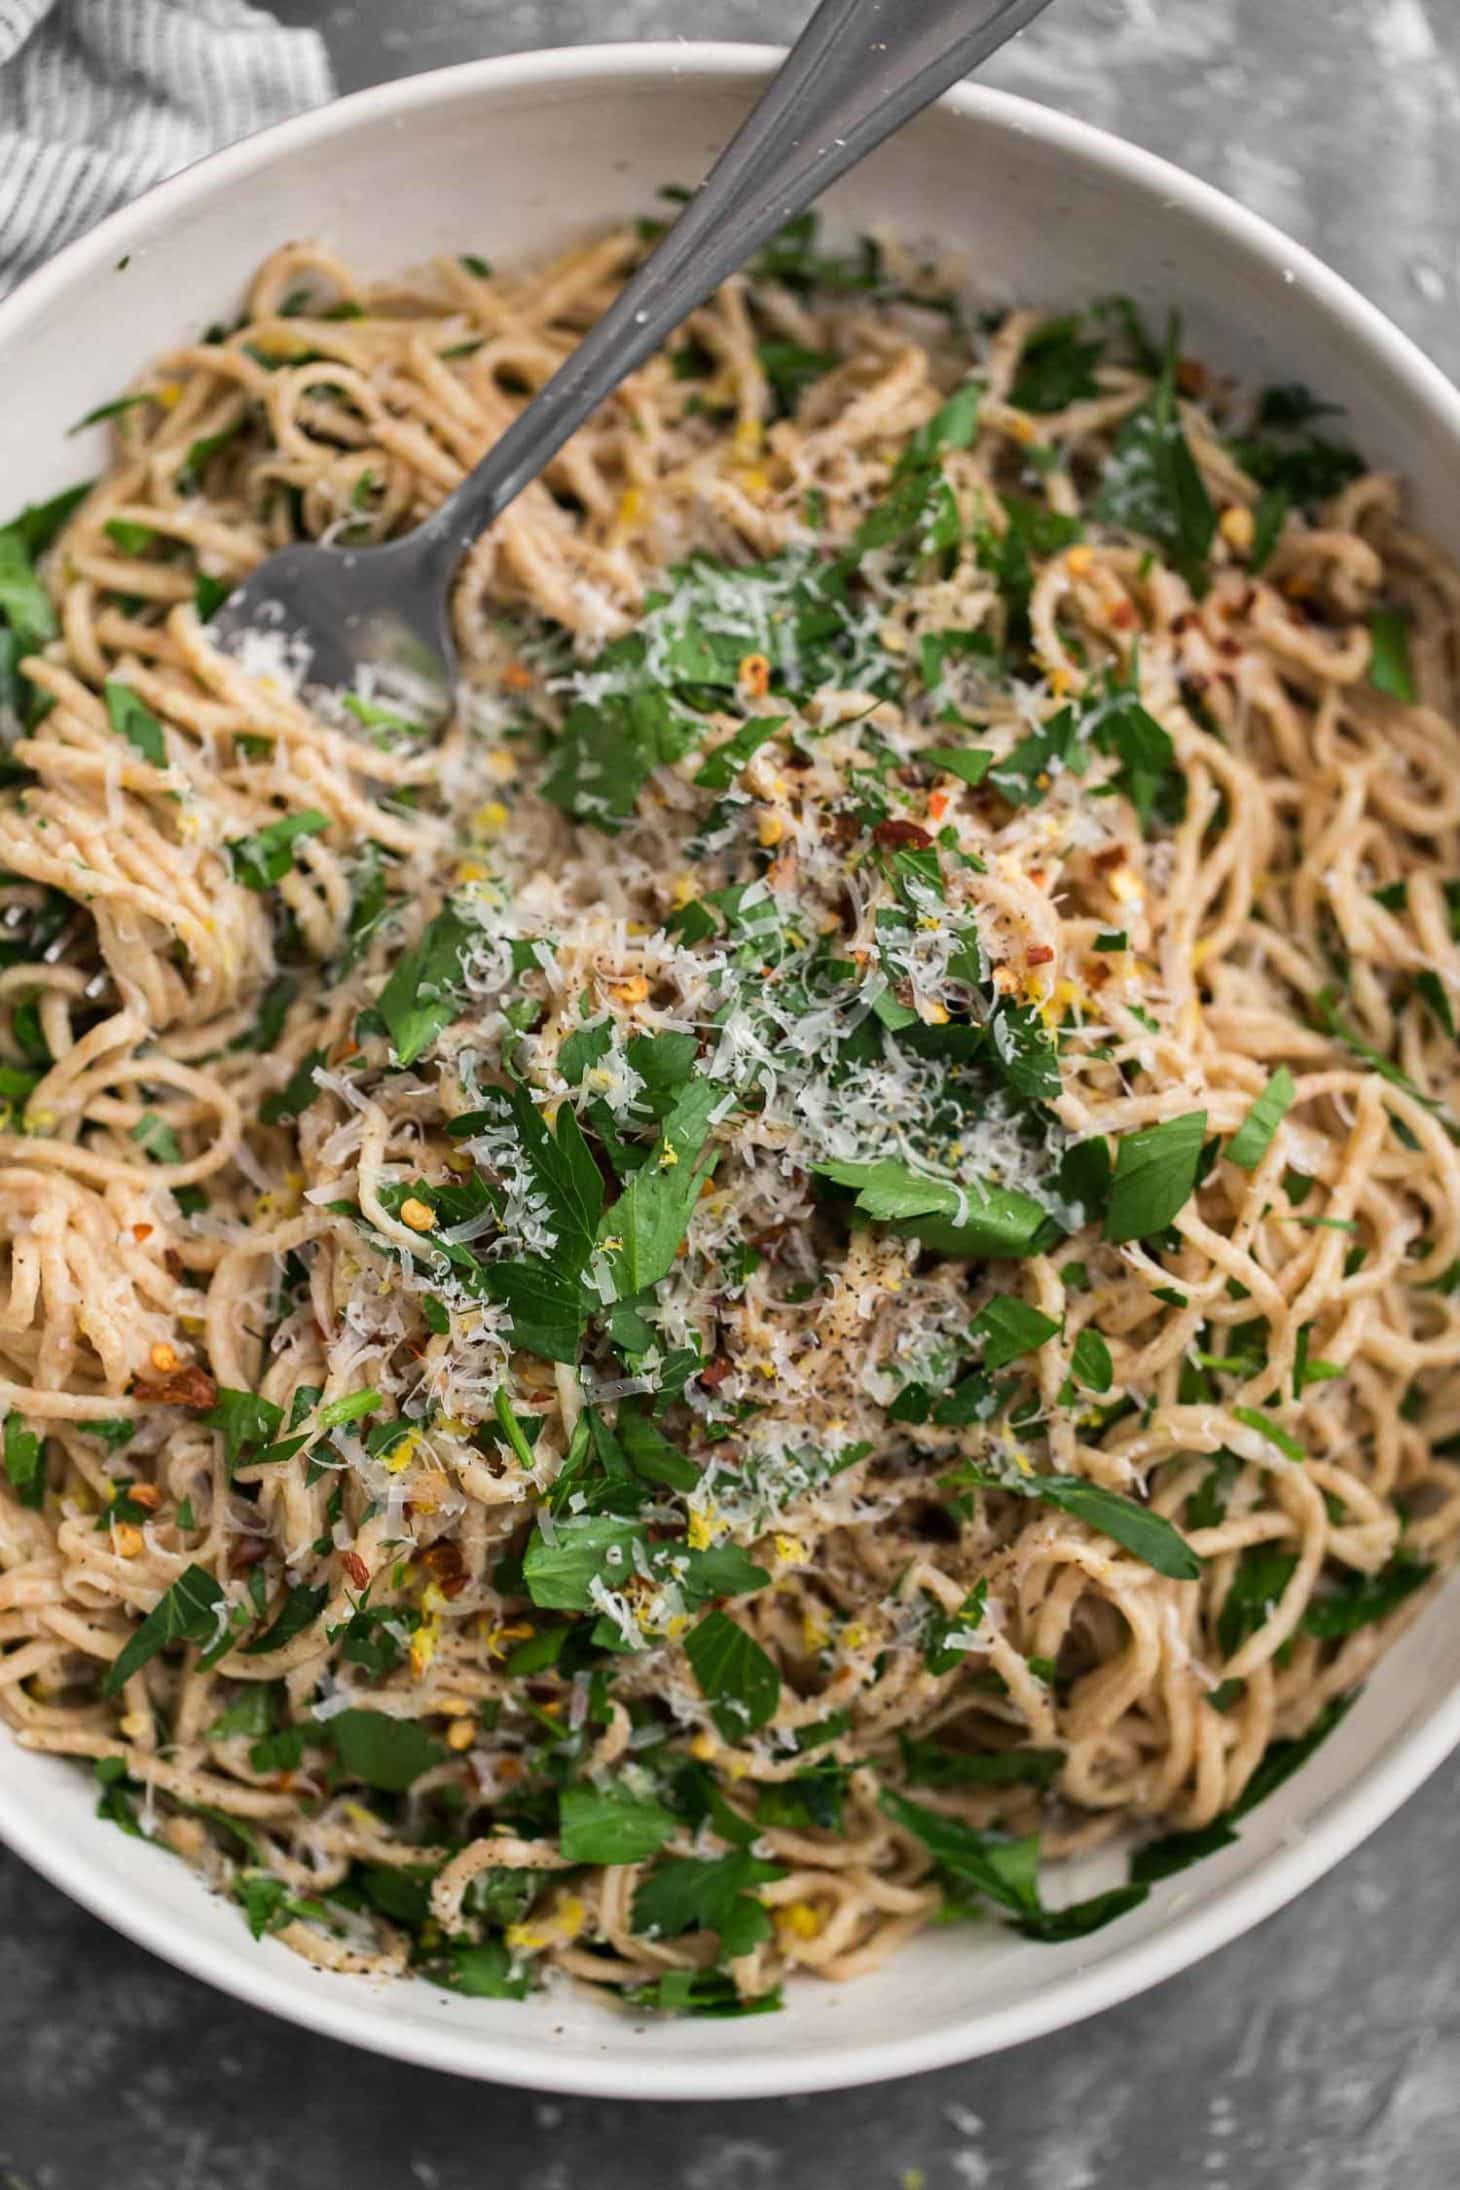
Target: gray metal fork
(858,71)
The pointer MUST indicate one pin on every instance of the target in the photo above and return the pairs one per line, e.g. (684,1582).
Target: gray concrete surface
(1320,2053)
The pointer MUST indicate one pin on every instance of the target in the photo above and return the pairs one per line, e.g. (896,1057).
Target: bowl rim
(1404,1762)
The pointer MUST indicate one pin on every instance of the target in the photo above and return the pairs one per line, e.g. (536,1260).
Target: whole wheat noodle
(1308,791)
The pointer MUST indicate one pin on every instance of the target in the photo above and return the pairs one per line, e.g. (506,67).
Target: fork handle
(858,71)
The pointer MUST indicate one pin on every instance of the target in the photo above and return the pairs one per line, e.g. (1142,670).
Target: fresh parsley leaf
(929,1764)
(1010,1327)
(723,1570)
(375,1636)
(583,1048)
(559,1572)
(280,1752)
(608,1825)
(1286,457)
(969,763)
(651,1216)
(1056,369)
(737,1678)
(39,523)
(1004,1870)
(1360,1599)
(132,719)
(22,1455)
(1389,664)
(267,1028)
(1267,527)
(484,1970)
(1152,484)
(384,1752)
(1025,775)
(1250,1143)
(563,1173)
(607,752)
(726,761)
(264,1899)
(250,1715)
(1155,1174)
(949,1636)
(1174,1851)
(132,538)
(654,1460)
(952,426)
(1161,1858)
(982,1222)
(245,1418)
(25,604)
(1091,1361)
(1262,1574)
(1030,529)
(209,594)
(665,1063)
(545,1304)
(1254,1419)
(683,1894)
(187,1612)
(202,451)
(1118,724)
(1429,986)
(299,1611)
(542,1292)
(1145,1535)
(425,990)
(156,1137)
(791,367)
(809,1800)
(118,406)
(1079,1918)
(1328,1016)
(700,1992)
(297,1093)
(261,860)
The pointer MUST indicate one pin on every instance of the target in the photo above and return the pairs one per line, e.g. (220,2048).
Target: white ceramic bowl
(509,157)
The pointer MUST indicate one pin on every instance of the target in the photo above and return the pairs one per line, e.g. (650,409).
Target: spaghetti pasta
(815,1254)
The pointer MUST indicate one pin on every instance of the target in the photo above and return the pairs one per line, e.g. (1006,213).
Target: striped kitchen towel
(99,99)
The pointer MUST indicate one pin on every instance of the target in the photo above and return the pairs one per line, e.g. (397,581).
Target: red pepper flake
(188,1386)
(714,1373)
(1112,856)
(1038,954)
(356,1568)
(448,1568)
(896,831)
